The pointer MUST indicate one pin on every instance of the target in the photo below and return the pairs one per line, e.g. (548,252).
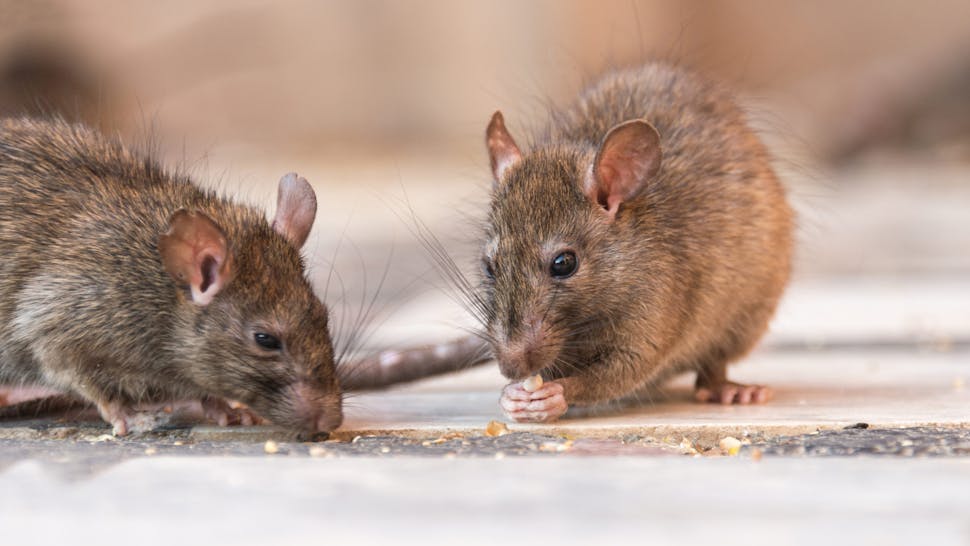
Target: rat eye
(563,265)
(267,341)
(487,265)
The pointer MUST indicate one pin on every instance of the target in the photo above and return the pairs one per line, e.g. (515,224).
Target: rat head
(560,260)
(250,327)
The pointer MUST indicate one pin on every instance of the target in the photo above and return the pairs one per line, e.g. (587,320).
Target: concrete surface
(243,501)
(865,442)
(413,465)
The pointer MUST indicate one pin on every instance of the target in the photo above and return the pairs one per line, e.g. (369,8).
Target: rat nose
(517,360)
(320,412)
(524,352)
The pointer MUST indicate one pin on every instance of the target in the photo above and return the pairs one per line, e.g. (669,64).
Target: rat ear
(629,157)
(502,151)
(194,252)
(296,207)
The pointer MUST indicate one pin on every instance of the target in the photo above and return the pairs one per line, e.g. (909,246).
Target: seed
(730,445)
(532,384)
(496,428)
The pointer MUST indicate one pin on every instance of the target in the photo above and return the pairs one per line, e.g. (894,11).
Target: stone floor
(866,441)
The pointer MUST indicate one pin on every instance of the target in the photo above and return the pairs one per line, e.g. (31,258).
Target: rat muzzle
(528,351)
(312,411)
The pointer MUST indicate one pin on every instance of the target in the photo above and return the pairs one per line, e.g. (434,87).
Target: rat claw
(728,392)
(119,427)
(514,391)
(733,393)
(117,414)
(762,394)
(703,394)
(226,413)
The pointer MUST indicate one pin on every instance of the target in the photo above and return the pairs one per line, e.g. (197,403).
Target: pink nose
(320,411)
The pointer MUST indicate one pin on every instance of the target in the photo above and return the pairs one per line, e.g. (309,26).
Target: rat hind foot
(729,392)
(226,413)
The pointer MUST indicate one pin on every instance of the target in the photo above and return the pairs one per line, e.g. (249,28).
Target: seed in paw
(532,384)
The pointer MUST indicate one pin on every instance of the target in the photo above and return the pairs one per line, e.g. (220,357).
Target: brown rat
(642,234)
(128,285)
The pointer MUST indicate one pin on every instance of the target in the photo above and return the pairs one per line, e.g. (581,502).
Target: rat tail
(391,367)
(56,404)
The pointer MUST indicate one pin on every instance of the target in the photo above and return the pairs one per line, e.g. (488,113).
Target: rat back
(80,217)
(715,211)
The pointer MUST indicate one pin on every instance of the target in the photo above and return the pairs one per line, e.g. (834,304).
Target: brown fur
(685,277)
(87,307)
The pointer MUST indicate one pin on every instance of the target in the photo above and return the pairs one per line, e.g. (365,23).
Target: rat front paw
(124,419)
(226,413)
(544,405)
(733,393)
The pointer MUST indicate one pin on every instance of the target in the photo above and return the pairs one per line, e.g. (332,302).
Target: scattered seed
(730,445)
(443,438)
(556,447)
(496,428)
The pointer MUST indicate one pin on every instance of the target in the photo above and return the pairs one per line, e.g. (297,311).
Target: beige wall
(358,77)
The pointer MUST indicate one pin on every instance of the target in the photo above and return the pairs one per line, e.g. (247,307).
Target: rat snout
(313,410)
(514,360)
(523,355)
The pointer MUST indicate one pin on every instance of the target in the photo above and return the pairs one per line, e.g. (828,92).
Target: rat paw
(544,405)
(733,393)
(124,419)
(225,413)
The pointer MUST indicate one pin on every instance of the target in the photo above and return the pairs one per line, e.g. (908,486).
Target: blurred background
(382,105)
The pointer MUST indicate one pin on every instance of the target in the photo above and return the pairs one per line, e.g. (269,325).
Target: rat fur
(126,285)
(657,192)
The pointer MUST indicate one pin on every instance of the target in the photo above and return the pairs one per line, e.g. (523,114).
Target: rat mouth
(308,410)
(526,362)
(529,349)
(312,436)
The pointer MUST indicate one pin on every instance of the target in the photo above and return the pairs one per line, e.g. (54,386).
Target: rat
(127,286)
(643,234)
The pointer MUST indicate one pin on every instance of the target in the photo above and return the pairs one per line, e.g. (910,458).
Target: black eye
(563,265)
(267,341)
(489,272)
